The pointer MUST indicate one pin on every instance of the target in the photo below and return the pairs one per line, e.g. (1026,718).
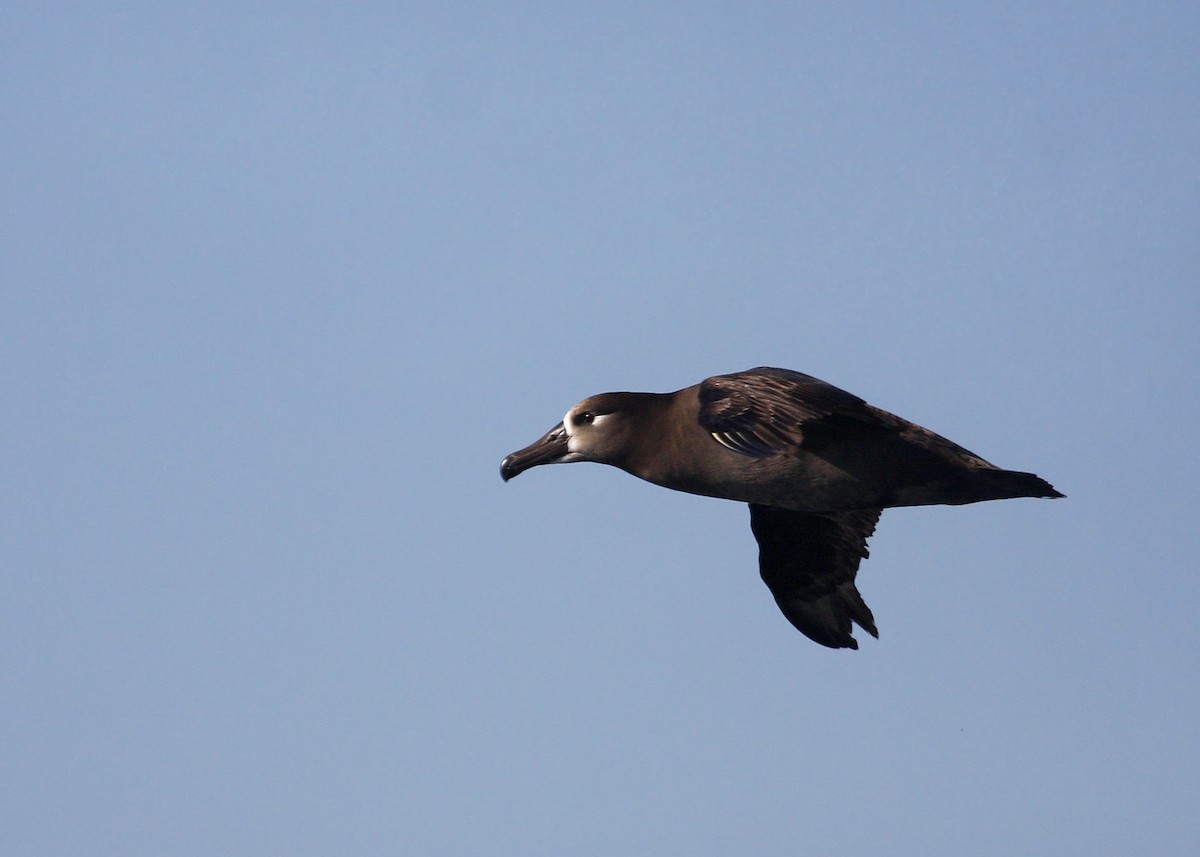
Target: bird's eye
(585,418)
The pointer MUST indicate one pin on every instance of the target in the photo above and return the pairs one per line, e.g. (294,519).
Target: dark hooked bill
(547,449)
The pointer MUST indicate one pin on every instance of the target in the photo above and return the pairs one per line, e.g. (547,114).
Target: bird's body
(815,463)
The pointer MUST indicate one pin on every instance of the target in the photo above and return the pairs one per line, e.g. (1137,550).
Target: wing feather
(763,411)
(809,562)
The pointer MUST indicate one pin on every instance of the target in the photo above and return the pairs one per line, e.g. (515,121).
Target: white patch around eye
(569,427)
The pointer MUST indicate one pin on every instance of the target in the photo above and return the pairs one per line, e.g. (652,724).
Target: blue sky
(282,284)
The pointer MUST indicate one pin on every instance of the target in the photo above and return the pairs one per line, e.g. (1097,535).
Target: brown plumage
(816,464)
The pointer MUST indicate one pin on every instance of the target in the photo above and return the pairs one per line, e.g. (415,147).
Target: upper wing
(809,563)
(762,411)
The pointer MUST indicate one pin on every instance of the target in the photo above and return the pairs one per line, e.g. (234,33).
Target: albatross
(816,464)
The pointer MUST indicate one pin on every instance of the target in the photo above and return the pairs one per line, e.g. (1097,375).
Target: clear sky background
(282,284)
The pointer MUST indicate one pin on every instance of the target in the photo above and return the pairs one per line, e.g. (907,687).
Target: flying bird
(817,465)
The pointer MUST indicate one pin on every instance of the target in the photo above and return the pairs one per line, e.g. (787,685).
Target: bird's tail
(989,484)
